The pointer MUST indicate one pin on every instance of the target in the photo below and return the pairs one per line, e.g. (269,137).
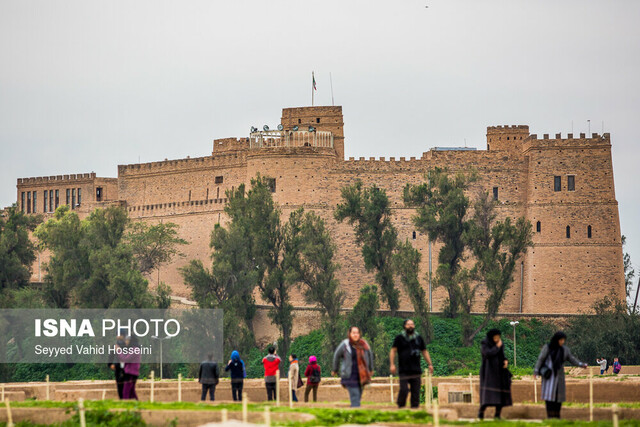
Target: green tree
(496,246)
(368,209)
(612,332)
(229,284)
(441,209)
(17,251)
(365,312)
(154,245)
(91,266)
(315,271)
(407,263)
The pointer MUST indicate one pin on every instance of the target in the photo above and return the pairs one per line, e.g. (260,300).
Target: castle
(563,186)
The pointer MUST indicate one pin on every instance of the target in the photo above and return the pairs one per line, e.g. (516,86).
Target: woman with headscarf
(238,374)
(495,378)
(131,359)
(550,367)
(354,360)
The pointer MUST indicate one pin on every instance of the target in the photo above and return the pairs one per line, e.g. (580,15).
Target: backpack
(315,376)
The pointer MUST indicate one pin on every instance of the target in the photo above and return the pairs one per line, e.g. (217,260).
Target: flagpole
(312,90)
(331,81)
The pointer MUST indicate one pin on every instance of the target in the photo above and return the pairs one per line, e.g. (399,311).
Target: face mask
(410,330)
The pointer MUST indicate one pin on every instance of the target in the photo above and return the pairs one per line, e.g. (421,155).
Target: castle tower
(571,204)
(321,118)
(506,138)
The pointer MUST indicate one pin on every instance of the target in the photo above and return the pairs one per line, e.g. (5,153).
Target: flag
(313,81)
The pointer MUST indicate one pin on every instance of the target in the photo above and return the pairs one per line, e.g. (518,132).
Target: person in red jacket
(313,374)
(271,363)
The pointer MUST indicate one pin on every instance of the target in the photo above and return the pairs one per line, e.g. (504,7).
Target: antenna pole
(331,81)
(589,128)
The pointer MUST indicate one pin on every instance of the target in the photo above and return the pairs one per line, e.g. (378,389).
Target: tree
(154,245)
(407,263)
(496,247)
(92,266)
(259,244)
(365,312)
(369,210)
(441,209)
(629,272)
(229,284)
(17,251)
(611,332)
(315,271)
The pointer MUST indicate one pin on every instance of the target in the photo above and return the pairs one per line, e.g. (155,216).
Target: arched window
(568,232)
(538,227)
(414,235)
(589,231)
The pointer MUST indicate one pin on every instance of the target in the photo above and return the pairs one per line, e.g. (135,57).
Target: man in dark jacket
(409,346)
(208,377)
(117,367)
(495,378)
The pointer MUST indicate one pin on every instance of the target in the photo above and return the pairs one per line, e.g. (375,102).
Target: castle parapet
(71,177)
(596,140)
(230,144)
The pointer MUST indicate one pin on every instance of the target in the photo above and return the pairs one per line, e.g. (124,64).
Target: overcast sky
(87,85)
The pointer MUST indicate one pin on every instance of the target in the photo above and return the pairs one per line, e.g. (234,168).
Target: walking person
(603,365)
(495,378)
(550,366)
(294,374)
(208,377)
(236,368)
(314,376)
(271,363)
(410,347)
(354,360)
(117,366)
(131,362)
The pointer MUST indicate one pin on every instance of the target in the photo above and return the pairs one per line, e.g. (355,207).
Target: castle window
(495,193)
(571,182)
(22,199)
(219,179)
(79,197)
(50,200)
(218,194)
(46,198)
(557,183)
(538,227)
(28,201)
(318,120)
(73,198)
(568,232)
(68,196)
(507,138)
(271,184)
(589,231)
(99,194)
(299,121)
(57,198)
(35,201)
(414,235)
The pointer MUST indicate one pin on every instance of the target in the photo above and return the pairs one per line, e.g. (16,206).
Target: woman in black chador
(495,378)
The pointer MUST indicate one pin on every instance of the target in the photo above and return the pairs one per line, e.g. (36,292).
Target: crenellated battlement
(596,140)
(502,128)
(57,178)
(220,160)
